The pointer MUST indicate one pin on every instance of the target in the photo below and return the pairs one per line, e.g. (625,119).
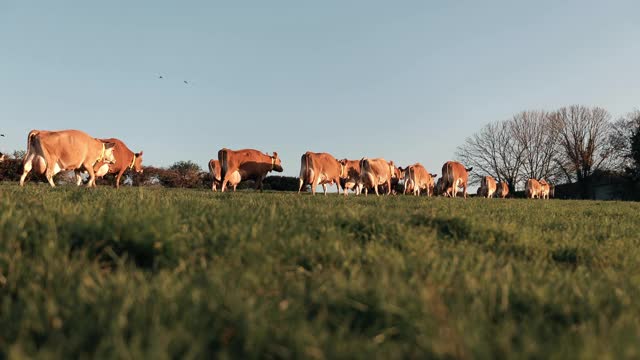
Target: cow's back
(69,147)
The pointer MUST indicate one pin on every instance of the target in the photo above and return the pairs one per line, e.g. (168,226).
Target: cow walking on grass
(454,176)
(246,164)
(49,152)
(319,169)
(126,160)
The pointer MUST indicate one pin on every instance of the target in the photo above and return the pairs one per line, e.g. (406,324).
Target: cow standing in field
(215,170)
(533,189)
(487,187)
(417,178)
(351,175)
(545,189)
(319,169)
(376,172)
(454,176)
(50,152)
(431,189)
(246,164)
(126,160)
(502,190)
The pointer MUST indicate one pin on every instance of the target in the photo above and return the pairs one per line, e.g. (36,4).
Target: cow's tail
(222,158)
(364,165)
(450,180)
(304,168)
(212,169)
(32,142)
(365,172)
(412,177)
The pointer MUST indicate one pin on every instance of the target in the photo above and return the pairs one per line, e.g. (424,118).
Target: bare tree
(584,134)
(493,151)
(624,131)
(533,132)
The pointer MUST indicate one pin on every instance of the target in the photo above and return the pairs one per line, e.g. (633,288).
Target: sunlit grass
(154,273)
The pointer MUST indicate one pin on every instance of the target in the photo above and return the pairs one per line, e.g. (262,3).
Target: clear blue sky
(407,80)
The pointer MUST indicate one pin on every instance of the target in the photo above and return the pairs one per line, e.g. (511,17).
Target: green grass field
(153,273)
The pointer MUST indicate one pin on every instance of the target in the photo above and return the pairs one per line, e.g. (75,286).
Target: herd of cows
(49,152)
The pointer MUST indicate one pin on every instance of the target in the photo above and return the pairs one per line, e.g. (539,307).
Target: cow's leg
(118,177)
(213,185)
(26,168)
(324,189)
(49,174)
(78,177)
(338,186)
(259,183)
(92,175)
(314,184)
(464,191)
(224,185)
(300,186)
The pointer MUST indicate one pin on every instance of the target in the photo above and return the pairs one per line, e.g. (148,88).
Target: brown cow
(546,189)
(53,151)
(487,187)
(126,159)
(215,170)
(431,189)
(350,175)
(416,178)
(503,190)
(533,189)
(1,157)
(376,172)
(246,164)
(454,176)
(319,169)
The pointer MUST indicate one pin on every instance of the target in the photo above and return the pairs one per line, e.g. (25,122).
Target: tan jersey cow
(502,190)
(416,178)
(126,160)
(533,189)
(376,172)
(319,169)
(487,187)
(50,152)
(546,189)
(431,190)
(246,164)
(454,176)
(351,175)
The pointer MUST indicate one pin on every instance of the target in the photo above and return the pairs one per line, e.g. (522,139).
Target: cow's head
(343,168)
(440,190)
(398,172)
(107,153)
(276,164)
(137,162)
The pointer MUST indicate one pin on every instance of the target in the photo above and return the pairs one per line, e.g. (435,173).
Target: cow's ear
(275,154)
(109,145)
(139,154)
(434,175)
